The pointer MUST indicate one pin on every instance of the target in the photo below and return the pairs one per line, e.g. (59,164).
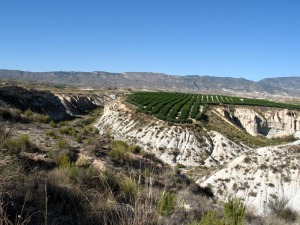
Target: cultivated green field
(182,108)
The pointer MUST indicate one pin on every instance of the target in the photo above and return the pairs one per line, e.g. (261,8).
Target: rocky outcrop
(269,123)
(57,106)
(43,102)
(283,122)
(79,104)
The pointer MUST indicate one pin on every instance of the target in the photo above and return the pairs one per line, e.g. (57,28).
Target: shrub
(85,131)
(288,214)
(28,113)
(119,151)
(129,189)
(42,118)
(62,144)
(234,211)
(64,161)
(68,131)
(53,124)
(204,191)
(83,162)
(166,204)
(51,133)
(78,139)
(211,218)
(21,143)
(134,149)
(63,123)
(95,130)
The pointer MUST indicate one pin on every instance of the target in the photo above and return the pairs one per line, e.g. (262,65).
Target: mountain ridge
(278,86)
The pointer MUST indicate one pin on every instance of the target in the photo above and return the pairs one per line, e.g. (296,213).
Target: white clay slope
(259,176)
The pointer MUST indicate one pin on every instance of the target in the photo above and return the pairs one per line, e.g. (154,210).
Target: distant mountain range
(276,87)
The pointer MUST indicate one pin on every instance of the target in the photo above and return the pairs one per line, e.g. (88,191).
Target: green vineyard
(182,108)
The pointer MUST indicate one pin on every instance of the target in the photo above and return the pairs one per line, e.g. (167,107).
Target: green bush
(53,124)
(211,218)
(166,204)
(51,133)
(21,143)
(63,123)
(64,161)
(62,144)
(129,189)
(68,131)
(28,113)
(134,149)
(119,151)
(42,118)
(234,211)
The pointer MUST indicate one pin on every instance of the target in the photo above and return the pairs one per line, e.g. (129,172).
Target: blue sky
(252,39)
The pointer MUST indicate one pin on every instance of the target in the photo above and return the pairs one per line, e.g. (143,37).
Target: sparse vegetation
(279,208)
(77,193)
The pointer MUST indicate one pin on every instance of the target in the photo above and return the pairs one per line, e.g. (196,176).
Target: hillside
(92,157)
(272,87)
(204,150)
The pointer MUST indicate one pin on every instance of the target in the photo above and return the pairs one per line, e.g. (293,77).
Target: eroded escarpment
(76,104)
(271,123)
(172,143)
(59,106)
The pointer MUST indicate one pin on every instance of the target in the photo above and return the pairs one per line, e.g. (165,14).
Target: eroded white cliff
(269,123)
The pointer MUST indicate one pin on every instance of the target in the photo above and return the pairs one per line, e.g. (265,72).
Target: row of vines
(182,108)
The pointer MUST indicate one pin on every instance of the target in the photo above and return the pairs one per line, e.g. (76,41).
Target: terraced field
(182,108)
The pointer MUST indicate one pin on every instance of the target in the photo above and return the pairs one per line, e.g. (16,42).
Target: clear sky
(239,38)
